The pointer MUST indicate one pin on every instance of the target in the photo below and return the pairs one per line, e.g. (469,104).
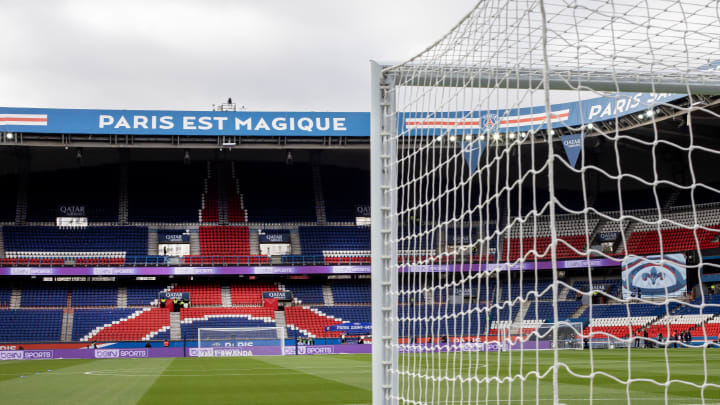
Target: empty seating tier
(30,325)
(307,292)
(98,241)
(94,188)
(344,240)
(86,320)
(250,293)
(136,326)
(351,292)
(202,294)
(224,241)
(94,297)
(311,321)
(165,192)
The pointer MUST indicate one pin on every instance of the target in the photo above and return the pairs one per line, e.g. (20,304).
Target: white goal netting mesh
(548,182)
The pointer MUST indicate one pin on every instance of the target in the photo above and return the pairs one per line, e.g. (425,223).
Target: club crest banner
(654,276)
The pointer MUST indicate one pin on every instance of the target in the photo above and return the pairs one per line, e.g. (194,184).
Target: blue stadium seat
(30,325)
(85,320)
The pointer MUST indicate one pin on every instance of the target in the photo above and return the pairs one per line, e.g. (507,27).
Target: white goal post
(493,152)
(247,341)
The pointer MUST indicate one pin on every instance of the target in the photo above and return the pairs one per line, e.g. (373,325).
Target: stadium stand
(202,293)
(165,192)
(359,313)
(266,197)
(44,297)
(8,197)
(136,326)
(224,241)
(335,242)
(96,242)
(445,320)
(545,310)
(611,287)
(191,196)
(96,190)
(5,294)
(87,320)
(307,292)
(250,293)
(534,236)
(209,211)
(30,325)
(235,199)
(341,202)
(143,294)
(351,292)
(94,296)
(311,320)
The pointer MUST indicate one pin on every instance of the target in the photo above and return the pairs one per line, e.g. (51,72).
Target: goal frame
(279,331)
(383,185)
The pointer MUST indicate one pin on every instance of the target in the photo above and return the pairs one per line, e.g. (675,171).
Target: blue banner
(351,328)
(573,114)
(274,236)
(607,236)
(572,145)
(173,236)
(174,295)
(278,295)
(73,211)
(362,210)
(654,276)
(472,152)
(191,123)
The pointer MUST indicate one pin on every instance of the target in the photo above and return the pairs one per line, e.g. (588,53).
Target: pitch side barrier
(292,270)
(140,353)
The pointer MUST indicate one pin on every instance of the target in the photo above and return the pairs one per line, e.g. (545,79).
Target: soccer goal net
(234,342)
(544,175)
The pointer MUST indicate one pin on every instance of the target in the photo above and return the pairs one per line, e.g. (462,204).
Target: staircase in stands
(579,311)
(564,290)
(522,312)
(295,242)
(254,241)
(280,320)
(628,230)
(328,295)
(123,194)
(226,296)
(320,211)
(175,329)
(220,169)
(194,244)
(122,297)
(67,325)
(15,298)
(152,242)
(21,205)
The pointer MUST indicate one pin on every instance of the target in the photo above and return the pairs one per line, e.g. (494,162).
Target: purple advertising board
(292,270)
(54,354)
(473,347)
(139,353)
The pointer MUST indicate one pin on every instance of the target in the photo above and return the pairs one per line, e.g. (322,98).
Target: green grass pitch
(345,379)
